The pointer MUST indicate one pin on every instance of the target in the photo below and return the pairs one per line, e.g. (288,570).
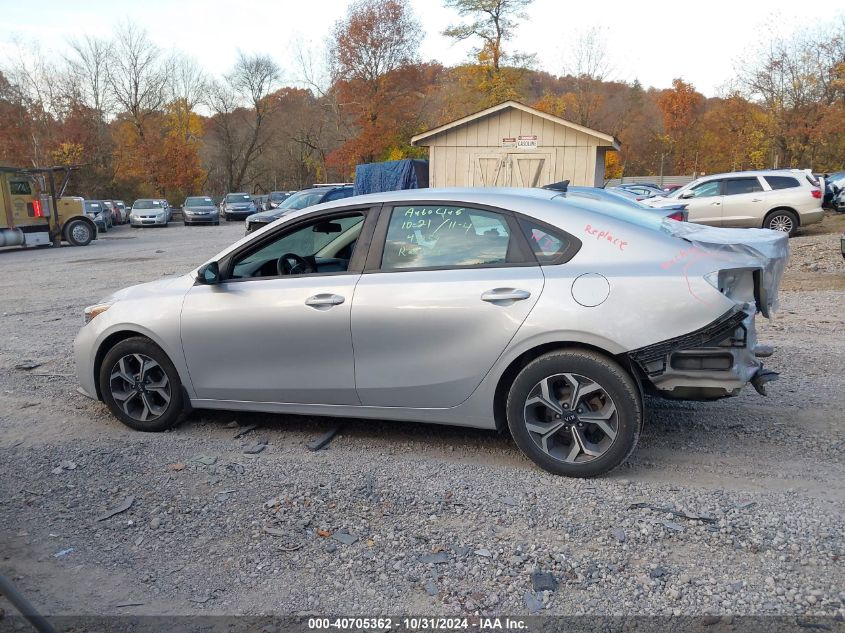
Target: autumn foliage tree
(681,108)
(375,70)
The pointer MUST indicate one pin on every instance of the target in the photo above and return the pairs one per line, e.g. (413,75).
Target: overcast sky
(653,42)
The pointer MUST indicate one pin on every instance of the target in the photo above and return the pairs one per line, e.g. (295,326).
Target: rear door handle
(716,204)
(505,294)
(324,300)
(756,199)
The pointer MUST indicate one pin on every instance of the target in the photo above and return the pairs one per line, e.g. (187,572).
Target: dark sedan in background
(299,200)
(200,210)
(237,206)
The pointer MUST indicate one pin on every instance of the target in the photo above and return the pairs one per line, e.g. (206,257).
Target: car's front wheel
(78,233)
(140,385)
(575,413)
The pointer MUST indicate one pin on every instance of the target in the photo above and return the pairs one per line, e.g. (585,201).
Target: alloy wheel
(781,223)
(139,386)
(571,418)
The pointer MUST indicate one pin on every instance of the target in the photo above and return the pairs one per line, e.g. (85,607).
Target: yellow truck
(30,212)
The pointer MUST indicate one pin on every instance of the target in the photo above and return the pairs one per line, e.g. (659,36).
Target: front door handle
(756,199)
(505,294)
(324,300)
(716,204)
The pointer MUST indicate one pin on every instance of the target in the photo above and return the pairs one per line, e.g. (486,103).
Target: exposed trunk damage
(718,360)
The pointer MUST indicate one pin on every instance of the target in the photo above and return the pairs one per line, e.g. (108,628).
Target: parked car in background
(117,217)
(517,307)
(97,211)
(625,198)
(781,200)
(200,210)
(166,206)
(671,188)
(148,212)
(237,206)
(642,190)
(276,198)
(297,201)
(261,202)
(124,210)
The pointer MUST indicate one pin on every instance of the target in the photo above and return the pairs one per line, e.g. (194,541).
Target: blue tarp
(392,175)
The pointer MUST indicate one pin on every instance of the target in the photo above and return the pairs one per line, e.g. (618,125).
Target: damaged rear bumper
(716,361)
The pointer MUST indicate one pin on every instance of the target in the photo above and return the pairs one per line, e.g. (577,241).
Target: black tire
(782,220)
(170,411)
(217,223)
(78,233)
(615,383)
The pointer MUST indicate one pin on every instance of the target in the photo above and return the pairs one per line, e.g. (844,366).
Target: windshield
(146,204)
(92,207)
(199,202)
(302,199)
(278,195)
(238,197)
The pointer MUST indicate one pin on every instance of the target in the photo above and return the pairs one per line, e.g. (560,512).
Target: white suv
(782,200)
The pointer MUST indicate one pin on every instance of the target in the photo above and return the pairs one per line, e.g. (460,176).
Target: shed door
(489,170)
(529,170)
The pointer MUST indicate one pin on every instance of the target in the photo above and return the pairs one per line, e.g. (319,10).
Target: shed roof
(608,140)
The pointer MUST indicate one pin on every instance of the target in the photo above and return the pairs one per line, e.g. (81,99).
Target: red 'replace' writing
(606,236)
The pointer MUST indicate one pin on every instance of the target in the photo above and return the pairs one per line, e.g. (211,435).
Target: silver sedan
(551,315)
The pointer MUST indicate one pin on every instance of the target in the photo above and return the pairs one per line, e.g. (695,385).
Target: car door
(262,336)
(445,289)
(744,202)
(704,203)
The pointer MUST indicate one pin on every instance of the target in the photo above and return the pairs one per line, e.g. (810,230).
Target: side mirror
(689,193)
(209,274)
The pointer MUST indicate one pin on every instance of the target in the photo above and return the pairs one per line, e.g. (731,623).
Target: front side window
(20,188)
(424,236)
(707,189)
(782,182)
(736,186)
(324,245)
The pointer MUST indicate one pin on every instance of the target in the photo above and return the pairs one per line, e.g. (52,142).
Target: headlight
(97,309)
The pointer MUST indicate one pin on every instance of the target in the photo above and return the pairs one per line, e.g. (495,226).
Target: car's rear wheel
(575,413)
(782,220)
(140,385)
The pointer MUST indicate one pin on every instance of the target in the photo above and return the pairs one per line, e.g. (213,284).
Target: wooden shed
(514,145)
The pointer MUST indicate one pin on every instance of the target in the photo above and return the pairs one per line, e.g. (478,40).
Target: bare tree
(187,81)
(588,62)
(87,64)
(241,109)
(136,75)
(493,22)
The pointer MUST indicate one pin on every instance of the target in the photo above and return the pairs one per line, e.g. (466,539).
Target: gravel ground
(732,507)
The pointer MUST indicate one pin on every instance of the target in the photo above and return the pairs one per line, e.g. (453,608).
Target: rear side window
(549,245)
(735,186)
(427,237)
(338,194)
(781,182)
(20,188)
